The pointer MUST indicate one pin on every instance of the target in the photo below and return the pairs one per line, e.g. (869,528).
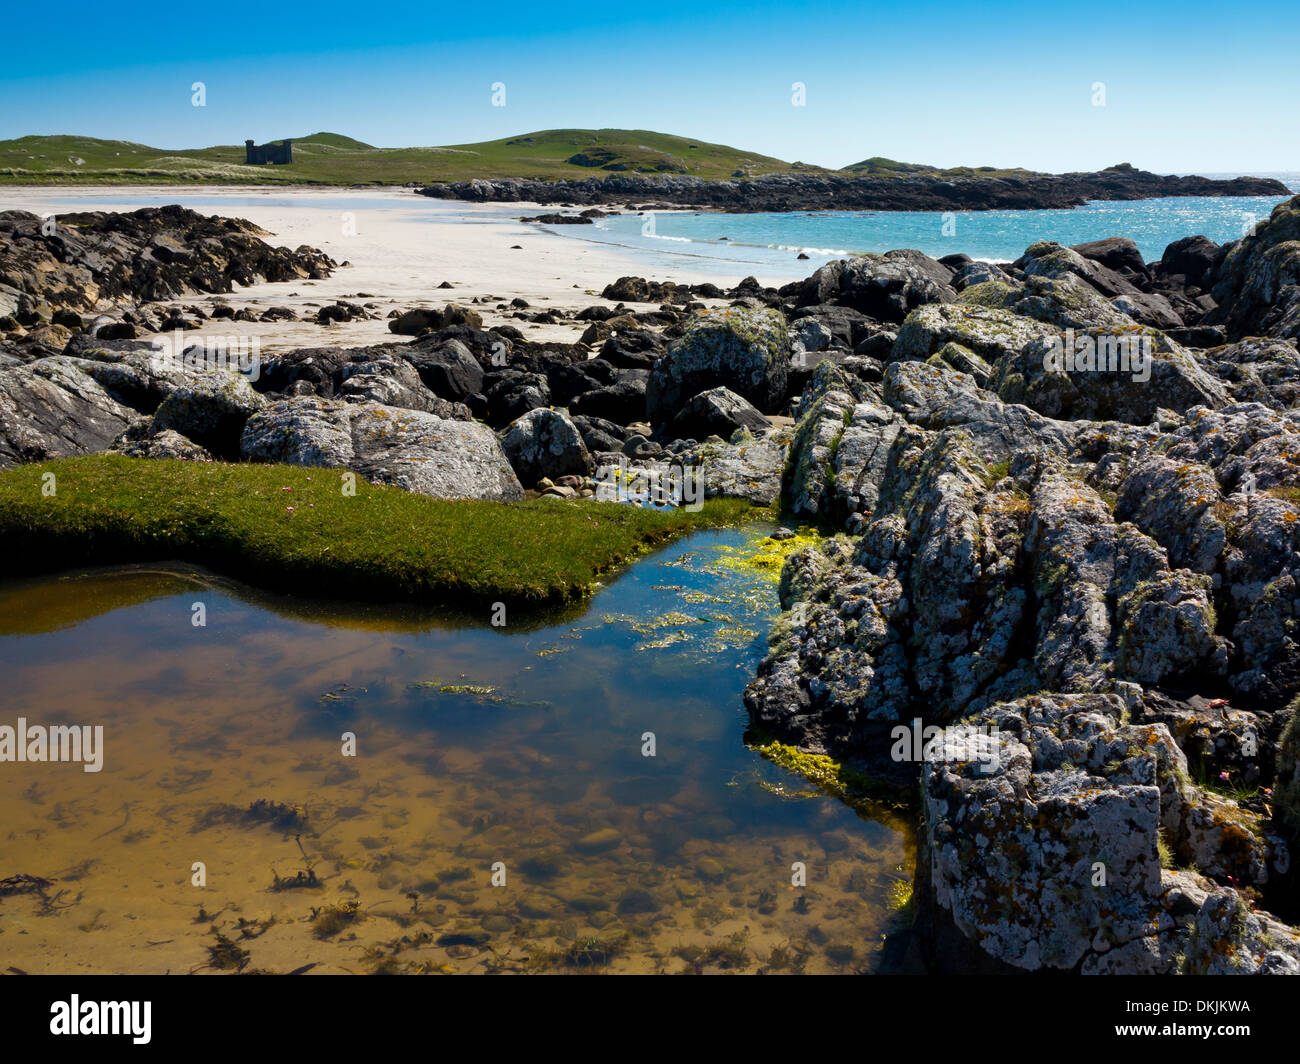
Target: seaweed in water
(279,815)
(589,951)
(329,920)
(305,877)
(24,884)
(227,955)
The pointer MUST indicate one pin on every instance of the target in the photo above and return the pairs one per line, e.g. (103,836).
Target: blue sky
(1195,86)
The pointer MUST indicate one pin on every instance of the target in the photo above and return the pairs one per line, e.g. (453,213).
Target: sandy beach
(399,249)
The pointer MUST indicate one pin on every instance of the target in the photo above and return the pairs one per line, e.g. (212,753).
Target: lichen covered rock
(740,348)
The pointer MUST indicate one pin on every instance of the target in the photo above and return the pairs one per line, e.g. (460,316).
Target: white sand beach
(399,250)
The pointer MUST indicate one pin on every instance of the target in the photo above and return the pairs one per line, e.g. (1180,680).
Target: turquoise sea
(771,242)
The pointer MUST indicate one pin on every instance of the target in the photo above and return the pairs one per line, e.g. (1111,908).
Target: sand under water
(480,751)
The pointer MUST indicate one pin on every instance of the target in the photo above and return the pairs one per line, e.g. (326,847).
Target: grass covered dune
(289,528)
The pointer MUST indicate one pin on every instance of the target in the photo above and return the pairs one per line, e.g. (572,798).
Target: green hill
(333,159)
(879,166)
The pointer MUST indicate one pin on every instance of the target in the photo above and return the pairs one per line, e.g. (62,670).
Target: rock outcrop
(916,191)
(93,260)
(745,350)
(1088,575)
(385,445)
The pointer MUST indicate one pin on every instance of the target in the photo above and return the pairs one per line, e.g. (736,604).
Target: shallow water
(474,746)
(768,239)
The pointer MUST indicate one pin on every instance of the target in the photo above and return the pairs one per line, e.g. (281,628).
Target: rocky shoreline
(821,192)
(1083,568)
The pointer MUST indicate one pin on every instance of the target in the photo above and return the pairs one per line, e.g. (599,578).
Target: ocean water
(771,242)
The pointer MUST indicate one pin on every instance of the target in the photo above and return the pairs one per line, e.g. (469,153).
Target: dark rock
(747,351)
(1191,257)
(1118,253)
(421,320)
(449,369)
(624,401)
(717,412)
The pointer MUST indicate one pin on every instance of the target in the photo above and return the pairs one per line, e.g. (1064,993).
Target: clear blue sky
(1192,86)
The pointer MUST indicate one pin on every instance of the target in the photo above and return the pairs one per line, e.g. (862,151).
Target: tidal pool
(228,831)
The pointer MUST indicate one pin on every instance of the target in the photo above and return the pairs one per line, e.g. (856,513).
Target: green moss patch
(293,529)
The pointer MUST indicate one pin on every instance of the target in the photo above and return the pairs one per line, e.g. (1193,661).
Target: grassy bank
(292,529)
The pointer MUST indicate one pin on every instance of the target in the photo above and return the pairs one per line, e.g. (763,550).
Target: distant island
(585,166)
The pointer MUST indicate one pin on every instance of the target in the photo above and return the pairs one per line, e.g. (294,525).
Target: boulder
(632,348)
(449,370)
(1256,282)
(623,402)
(1191,258)
(416,451)
(988,332)
(210,410)
(745,350)
(1117,253)
(886,287)
(1123,376)
(545,443)
(511,393)
(717,412)
(140,441)
(392,381)
(422,320)
(51,409)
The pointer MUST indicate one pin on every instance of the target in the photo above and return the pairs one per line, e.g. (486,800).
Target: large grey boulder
(1063,301)
(51,409)
(1047,853)
(1102,374)
(1257,283)
(139,441)
(1258,370)
(412,450)
(748,466)
(989,332)
(1113,268)
(545,443)
(211,410)
(741,348)
(140,379)
(886,287)
(392,380)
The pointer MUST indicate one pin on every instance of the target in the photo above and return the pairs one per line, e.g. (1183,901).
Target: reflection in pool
(513,755)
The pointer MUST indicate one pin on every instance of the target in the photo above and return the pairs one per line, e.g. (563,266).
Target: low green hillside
(333,159)
(879,166)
